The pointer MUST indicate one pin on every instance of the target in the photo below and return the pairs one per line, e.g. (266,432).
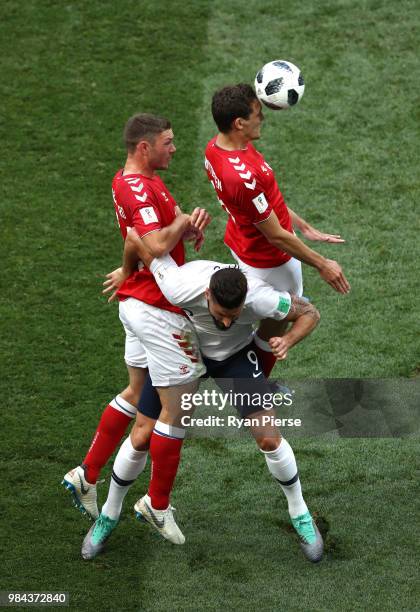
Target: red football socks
(165,453)
(111,428)
(265,357)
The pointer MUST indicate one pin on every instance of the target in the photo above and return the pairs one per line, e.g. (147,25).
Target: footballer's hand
(199,241)
(279,346)
(194,235)
(332,274)
(200,219)
(113,282)
(310,233)
(190,234)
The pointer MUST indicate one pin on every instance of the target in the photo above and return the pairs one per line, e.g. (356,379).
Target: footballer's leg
(175,365)
(113,424)
(165,452)
(81,481)
(128,465)
(245,373)
(281,463)
(130,462)
(132,456)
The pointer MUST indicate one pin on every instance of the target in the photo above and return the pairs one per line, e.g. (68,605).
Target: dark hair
(143,127)
(231,102)
(228,287)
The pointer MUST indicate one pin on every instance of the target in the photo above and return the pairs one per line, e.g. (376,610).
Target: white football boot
(162,520)
(83,492)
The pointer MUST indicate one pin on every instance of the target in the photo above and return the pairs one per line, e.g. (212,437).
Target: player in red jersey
(259,229)
(169,350)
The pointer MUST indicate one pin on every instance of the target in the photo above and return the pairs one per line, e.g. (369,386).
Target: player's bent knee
(141,433)
(140,440)
(269,443)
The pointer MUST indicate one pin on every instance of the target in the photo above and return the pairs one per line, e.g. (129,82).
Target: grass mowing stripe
(73,77)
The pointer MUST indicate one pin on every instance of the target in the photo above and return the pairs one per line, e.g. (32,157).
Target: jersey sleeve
(146,217)
(183,286)
(141,206)
(265,302)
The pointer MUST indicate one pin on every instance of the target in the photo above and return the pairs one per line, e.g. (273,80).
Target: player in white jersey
(189,288)
(224,327)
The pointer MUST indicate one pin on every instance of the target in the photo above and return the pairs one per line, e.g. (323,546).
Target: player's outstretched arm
(304,317)
(311,233)
(329,270)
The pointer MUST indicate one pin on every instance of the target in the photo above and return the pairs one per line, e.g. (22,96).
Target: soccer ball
(279,85)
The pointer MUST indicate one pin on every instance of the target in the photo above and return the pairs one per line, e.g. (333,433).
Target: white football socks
(128,464)
(281,463)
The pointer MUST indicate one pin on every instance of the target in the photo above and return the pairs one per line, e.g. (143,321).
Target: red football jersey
(247,189)
(145,204)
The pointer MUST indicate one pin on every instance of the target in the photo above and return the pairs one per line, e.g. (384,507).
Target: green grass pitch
(72,72)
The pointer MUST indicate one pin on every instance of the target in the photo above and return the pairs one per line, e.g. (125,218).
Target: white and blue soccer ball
(279,85)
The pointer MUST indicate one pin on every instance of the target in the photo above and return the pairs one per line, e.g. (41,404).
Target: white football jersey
(185,286)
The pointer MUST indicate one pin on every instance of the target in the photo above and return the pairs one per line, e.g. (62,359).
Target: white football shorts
(161,340)
(287,277)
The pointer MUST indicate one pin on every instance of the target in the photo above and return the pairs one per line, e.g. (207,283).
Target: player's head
(152,137)
(226,296)
(237,108)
